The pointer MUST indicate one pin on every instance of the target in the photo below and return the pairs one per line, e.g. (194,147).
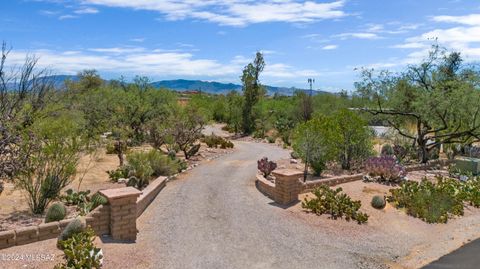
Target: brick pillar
(123,212)
(287,185)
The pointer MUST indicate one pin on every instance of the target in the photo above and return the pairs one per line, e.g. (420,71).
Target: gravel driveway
(214,217)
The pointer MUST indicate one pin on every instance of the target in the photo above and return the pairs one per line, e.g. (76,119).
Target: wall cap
(120,193)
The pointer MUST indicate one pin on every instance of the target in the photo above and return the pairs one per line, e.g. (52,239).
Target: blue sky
(213,39)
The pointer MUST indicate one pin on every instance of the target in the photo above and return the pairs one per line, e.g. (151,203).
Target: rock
(293,161)
(122,180)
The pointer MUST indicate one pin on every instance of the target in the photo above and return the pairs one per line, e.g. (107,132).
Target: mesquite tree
(438,99)
(24,92)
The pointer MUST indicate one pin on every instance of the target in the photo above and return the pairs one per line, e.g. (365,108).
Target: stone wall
(149,194)
(118,218)
(289,184)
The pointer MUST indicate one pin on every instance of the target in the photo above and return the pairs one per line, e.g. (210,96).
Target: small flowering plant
(265,166)
(385,168)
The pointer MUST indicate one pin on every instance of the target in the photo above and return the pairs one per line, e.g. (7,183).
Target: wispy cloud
(236,12)
(330,47)
(86,10)
(154,63)
(358,35)
(67,17)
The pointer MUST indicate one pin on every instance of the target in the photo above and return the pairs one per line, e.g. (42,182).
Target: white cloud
(154,63)
(472,19)
(138,39)
(86,10)
(236,12)
(359,35)
(330,47)
(67,17)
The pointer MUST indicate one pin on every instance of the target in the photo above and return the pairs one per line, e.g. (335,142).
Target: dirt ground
(417,242)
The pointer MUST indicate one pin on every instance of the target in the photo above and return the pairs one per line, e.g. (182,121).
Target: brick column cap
(287,173)
(113,194)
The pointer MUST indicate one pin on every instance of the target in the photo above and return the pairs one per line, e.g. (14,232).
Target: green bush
(271,139)
(139,162)
(334,203)
(387,150)
(378,202)
(161,164)
(72,197)
(80,252)
(433,203)
(77,225)
(110,148)
(121,172)
(56,212)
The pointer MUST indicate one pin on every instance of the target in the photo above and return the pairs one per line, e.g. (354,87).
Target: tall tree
(439,97)
(24,94)
(252,91)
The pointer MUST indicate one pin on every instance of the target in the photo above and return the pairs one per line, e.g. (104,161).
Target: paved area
(466,257)
(214,217)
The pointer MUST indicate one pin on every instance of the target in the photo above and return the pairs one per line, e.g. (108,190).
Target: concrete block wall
(118,218)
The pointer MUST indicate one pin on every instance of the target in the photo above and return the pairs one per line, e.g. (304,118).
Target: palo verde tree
(439,98)
(252,91)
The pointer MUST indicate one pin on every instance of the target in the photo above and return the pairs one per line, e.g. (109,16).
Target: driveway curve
(214,217)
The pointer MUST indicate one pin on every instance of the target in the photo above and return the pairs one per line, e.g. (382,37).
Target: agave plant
(265,166)
(386,168)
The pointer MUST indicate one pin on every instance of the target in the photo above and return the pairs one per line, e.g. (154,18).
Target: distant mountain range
(212,87)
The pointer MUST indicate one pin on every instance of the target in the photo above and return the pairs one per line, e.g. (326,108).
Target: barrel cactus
(77,225)
(378,202)
(56,212)
(97,199)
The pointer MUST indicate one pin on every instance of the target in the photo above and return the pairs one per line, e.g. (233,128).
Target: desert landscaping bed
(399,240)
(91,175)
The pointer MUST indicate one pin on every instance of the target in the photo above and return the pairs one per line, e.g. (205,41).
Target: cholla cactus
(385,167)
(265,166)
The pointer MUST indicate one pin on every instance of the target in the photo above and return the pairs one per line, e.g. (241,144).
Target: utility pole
(311,81)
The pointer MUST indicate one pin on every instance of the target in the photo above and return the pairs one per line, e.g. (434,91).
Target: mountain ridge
(212,87)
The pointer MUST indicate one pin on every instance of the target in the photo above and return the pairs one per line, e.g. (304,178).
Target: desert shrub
(433,203)
(51,165)
(110,148)
(77,225)
(387,150)
(265,166)
(214,141)
(192,151)
(294,155)
(139,162)
(80,252)
(161,164)
(385,168)
(270,139)
(470,191)
(181,165)
(226,144)
(56,212)
(309,144)
(133,182)
(378,202)
(335,203)
(72,197)
(121,172)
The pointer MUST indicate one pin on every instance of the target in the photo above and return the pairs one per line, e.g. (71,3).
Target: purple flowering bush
(385,168)
(265,166)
